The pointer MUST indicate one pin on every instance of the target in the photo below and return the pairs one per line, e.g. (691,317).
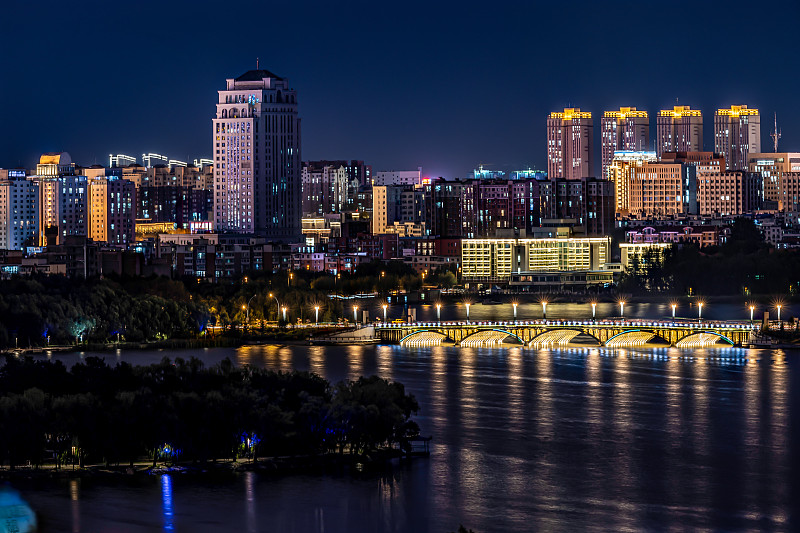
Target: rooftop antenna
(776,135)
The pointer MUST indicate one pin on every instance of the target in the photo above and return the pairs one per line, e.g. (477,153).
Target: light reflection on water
(573,439)
(166,502)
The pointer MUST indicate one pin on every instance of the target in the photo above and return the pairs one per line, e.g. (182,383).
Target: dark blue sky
(443,85)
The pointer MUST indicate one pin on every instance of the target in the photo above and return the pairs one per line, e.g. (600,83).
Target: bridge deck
(619,332)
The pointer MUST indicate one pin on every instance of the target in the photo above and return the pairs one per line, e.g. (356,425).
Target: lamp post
(467,306)
(544,310)
(438,312)
(700,311)
(594,310)
(278,304)
(752,308)
(779,312)
(355,314)
(316,314)
(622,309)
(284,313)
(384,312)
(674,306)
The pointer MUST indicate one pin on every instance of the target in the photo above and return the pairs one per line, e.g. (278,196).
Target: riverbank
(330,463)
(288,336)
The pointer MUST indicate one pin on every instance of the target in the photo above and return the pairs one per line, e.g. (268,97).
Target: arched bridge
(545,333)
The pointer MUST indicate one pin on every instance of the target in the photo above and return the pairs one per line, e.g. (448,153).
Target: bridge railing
(688,324)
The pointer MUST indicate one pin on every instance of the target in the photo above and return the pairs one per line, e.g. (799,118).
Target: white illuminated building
(256,136)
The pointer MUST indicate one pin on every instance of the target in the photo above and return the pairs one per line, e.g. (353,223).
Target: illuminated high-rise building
(663,189)
(626,129)
(256,142)
(98,209)
(570,144)
(63,199)
(19,210)
(679,129)
(619,173)
(772,167)
(737,132)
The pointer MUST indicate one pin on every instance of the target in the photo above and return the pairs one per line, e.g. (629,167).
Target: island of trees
(180,412)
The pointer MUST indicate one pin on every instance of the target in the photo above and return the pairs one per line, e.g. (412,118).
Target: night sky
(445,86)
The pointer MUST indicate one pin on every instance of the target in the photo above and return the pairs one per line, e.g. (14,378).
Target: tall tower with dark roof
(256,143)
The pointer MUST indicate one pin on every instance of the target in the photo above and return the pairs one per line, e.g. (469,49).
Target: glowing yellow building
(679,129)
(98,210)
(619,173)
(570,144)
(495,260)
(737,133)
(626,129)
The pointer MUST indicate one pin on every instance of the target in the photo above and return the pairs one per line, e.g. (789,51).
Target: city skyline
(400,92)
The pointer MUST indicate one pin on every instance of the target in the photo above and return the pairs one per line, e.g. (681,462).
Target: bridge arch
(700,339)
(425,337)
(488,337)
(634,337)
(559,336)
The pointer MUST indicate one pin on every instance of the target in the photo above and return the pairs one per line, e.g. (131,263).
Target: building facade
(495,260)
(325,189)
(772,167)
(663,189)
(737,133)
(19,211)
(627,129)
(679,129)
(570,144)
(256,142)
(619,173)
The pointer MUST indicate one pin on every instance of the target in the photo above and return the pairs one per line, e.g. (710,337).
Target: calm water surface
(523,440)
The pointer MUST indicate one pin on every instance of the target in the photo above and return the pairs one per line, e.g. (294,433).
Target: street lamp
(384,312)
(779,312)
(752,308)
(284,313)
(594,310)
(467,306)
(278,304)
(622,309)
(515,309)
(699,310)
(674,306)
(316,314)
(355,314)
(439,312)
(544,310)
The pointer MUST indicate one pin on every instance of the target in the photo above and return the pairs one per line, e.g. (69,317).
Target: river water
(523,440)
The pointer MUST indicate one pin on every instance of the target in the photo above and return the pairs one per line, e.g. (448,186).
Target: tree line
(44,310)
(180,411)
(744,265)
